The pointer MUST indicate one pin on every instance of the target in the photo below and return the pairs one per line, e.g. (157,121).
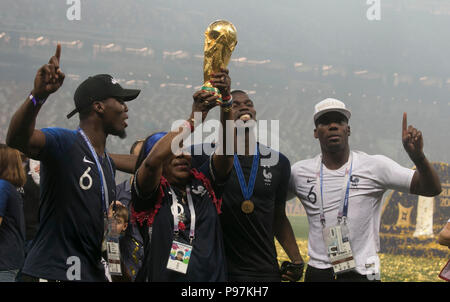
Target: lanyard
(175,213)
(104,187)
(343,208)
(247,191)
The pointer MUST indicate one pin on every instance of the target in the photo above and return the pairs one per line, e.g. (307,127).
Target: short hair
(11,168)
(238,91)
(135,144)
(121,212)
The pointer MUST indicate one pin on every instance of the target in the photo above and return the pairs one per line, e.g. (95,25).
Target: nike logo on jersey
(87,161)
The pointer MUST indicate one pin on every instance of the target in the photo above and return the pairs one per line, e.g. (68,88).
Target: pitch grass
(394,268)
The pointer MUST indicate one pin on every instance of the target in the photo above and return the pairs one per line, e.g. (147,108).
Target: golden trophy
(220,41)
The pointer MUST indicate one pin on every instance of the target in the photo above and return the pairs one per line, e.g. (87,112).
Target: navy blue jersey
(12,229)
(207,262)
(249,238)
(72,210)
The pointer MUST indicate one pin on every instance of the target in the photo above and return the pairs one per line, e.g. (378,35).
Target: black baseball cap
(99,88)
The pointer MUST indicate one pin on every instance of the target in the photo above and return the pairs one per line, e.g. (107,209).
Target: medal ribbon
(104,187)
(247,191)
(343,208)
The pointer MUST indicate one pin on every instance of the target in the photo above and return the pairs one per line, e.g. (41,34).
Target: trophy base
(215,91)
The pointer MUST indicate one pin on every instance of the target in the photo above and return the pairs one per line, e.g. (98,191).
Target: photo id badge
(113,255)
(338,248)
(179,257)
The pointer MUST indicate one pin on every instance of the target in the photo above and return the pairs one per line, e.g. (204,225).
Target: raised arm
(150,171)
(425,181)
(222,161)
(22,134)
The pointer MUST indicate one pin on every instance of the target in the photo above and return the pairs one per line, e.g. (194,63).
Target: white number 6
(86,175)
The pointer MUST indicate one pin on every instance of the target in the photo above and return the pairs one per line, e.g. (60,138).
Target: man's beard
(120,133)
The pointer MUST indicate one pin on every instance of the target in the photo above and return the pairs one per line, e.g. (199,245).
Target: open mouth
(125,124)
(245,116)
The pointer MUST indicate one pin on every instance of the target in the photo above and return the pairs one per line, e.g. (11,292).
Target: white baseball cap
(330,105)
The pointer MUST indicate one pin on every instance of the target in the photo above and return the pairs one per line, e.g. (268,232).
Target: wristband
(36,101)
(227,98)
(226,102)
(296,270)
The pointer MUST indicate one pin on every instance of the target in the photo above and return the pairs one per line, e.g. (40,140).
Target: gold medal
(247,206)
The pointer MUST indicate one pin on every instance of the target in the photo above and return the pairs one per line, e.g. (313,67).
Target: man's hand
(49,77)
(203,102)
(412,140)
(222,81)
(112,208)
(292,272)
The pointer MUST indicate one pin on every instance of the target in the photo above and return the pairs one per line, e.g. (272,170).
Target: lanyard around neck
(343,208)
(176,228)
(247,191)
(104,186)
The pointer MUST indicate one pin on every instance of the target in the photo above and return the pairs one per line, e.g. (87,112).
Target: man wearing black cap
(77,176)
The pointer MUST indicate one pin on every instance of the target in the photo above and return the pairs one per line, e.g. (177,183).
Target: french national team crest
(267,176)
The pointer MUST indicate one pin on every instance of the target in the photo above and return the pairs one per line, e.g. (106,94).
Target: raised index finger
(405,122)
(58,51)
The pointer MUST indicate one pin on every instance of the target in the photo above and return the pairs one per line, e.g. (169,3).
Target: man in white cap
(342,190)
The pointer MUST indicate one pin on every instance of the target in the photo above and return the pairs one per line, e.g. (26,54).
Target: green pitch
(394,268)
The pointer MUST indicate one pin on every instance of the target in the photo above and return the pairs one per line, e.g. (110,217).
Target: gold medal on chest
(247,206)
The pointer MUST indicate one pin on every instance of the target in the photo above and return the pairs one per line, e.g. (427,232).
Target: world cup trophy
(220,41)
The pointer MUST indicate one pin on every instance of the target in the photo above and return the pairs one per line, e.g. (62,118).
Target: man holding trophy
(253,206)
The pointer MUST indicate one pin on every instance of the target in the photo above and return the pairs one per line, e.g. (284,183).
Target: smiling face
(332,130)
(243,108)
(115,116)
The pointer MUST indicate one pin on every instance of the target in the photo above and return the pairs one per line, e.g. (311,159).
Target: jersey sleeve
(285,174)
(57,142)
(142,202)
(391,175)
(291,186)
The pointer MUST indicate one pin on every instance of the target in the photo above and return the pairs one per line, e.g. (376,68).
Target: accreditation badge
(179,257)
(338,248)
(113,249)
(113,253)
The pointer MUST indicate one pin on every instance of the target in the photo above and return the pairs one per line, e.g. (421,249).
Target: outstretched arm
(22,134)
(425,180)
(124,162)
